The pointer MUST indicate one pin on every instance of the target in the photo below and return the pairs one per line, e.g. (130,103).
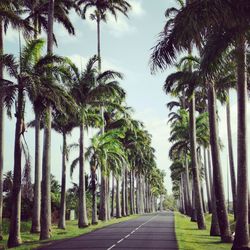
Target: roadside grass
(190,238)
(31,241)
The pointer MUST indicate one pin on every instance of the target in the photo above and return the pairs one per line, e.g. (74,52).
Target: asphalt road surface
(150,231)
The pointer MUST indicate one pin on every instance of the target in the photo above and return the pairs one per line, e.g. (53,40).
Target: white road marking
(119,241)
(111,247)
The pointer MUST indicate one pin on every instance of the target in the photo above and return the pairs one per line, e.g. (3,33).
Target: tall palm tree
(63,122)
(80,90)
(8,15)
(91,89)
(101,9)
(46,165)
(231,157)
(37,12)
(27,72)
(106,151)
(174,85)
(45,232)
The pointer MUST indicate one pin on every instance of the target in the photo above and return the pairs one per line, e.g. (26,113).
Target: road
(149,231)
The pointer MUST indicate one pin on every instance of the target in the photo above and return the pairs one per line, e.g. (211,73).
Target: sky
(126,47)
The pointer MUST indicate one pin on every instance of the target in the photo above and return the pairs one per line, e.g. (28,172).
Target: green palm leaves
(107,152)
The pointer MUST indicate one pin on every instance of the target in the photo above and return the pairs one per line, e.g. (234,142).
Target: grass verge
(31,241)
(190,238)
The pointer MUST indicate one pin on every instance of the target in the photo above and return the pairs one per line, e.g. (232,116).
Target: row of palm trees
(218,30)
(63,98)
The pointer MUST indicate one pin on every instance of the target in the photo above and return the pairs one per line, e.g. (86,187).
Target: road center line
(125,237)
(111,247)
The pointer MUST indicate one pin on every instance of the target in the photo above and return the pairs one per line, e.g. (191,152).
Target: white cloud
(11,35)
(137,9)
(81,61)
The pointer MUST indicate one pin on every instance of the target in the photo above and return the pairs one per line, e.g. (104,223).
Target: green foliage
(170,203)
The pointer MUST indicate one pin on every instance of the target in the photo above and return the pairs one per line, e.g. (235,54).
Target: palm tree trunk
(138,209)
(181,199)
(183,195)
(201,181)
(194,215)
(196,177)
(203,199)
(131,197)
(126,191)
(113,196)
(98,21)
(161,202)
(1,135)
(231,159)
(94,203)
(185,192)
(62,223)
(133,192)
(45,232)
(123,194)
(103,192)
(207,183)
(118,198)
(210,171)
(217,172)
(147,197)
(82,219)
(35,228)
(214,229)
(242,231)
(142,193)
(188,188)
(103,198)
(15,221)
(108,198)
(248,206)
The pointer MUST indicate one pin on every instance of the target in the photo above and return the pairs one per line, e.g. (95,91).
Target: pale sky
(125,46)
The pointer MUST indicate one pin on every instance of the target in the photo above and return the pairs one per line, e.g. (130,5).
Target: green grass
(190,238)
(31,241)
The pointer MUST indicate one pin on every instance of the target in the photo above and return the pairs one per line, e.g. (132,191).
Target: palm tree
(180,150)
(110,94)
(28,71)
(46,200)
(173,83)
(8,15)
(80,90)
(45,232)
(37,12)
(101,9)
(63,123)
(91,89)
(231,158)
(106,151)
